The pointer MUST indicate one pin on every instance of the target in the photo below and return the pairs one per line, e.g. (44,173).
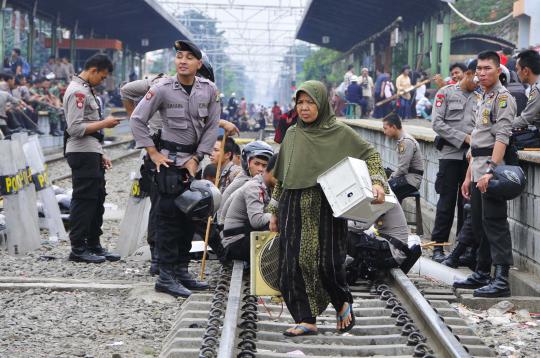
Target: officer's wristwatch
(489,170)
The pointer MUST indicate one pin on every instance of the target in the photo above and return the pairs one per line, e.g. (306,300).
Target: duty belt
(482,152)
(236,231)
(178,148)
(98,135)
(440,142)
(416,171)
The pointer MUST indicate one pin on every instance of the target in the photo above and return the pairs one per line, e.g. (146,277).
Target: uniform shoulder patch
(149,95)
(79,99)
(439,99)
(503,101)
(532,96)
(401,147)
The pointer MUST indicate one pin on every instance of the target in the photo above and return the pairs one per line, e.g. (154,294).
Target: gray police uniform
(408,175)
(227,175)
(531,112)
(453,119)
(135,91)
(236,184)
(190,123)
(496,112)
(6,98)
(84,156)
(245,214)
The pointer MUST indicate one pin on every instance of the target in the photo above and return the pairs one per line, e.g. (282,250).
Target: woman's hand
(378,194)
(274,223)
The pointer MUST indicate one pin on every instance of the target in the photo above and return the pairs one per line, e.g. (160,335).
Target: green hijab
(308,150)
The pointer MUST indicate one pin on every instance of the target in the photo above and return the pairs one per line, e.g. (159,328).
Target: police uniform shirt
(409,157)
(21,92)
(236,184)
(81,108)
(188,119)
(531,112)
(247,208)
(494,117)
(229,172)
(135,91)
(453,118)
(6,98)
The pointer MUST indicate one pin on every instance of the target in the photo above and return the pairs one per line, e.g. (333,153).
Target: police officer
(83,147)
(189,107)
(229,170)
(489,139)
(246,213)
(408,175)
(255,157)
(453,121)
(132,93)
(528,70)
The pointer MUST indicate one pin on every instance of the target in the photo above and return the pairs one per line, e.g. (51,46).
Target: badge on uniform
(531,96)
(485,116)
(149,95)
(439,101)
(401,147)
(79,98)
(503,101)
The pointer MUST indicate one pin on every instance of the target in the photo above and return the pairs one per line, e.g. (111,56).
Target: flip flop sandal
(343,316)
(305,331)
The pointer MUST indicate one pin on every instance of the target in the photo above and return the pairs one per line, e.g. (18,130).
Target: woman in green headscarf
(312,242)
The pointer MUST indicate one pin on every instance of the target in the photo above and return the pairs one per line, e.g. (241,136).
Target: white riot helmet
(257,148)
(504,77)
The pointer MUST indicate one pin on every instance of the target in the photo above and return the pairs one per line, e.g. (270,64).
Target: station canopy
(142,25)
(340,25)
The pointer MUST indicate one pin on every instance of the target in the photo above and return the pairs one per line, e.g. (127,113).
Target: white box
(348,188)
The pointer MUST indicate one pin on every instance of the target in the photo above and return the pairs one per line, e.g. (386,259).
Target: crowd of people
(175,119)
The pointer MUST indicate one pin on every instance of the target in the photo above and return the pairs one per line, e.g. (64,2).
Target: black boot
(468,258)
(452,260)
(498,287)
(479,278)
(154,265)
(184,277)
(100,251)
(81,254)
(438,254)
(166,283)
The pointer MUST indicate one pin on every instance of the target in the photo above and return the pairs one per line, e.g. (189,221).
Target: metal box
(348,188)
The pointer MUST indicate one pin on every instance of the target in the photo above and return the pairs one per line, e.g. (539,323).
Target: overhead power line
(470,21)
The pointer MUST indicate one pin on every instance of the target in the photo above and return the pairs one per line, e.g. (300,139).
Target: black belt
(98,135)
(482,152)
(236,231)
(440,142)
(396,243)
(179,148)
(416,171)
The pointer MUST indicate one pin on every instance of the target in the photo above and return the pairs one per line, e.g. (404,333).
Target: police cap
(184,45)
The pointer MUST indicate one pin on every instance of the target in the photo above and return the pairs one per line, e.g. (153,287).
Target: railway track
(393,319)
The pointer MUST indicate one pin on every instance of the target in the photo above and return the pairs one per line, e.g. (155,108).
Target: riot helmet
(206,70)
(200,201)
(504,77)
(257,148)
(508,182)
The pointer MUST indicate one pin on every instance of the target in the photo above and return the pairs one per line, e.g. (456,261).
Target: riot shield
(20,208)
(135,221)
(51,218)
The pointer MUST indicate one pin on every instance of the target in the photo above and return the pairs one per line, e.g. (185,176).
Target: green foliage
(319,64)
(483,11)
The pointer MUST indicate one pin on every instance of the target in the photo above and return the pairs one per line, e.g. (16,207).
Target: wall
(523,212)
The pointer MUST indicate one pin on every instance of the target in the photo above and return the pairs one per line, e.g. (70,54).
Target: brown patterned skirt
(312,254)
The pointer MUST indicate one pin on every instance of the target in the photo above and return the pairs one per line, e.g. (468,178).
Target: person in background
(276,113)
(403,83)
(406,179)
(348,75)
(366,82)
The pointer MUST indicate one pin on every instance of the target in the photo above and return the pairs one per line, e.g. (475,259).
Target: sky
(259,32)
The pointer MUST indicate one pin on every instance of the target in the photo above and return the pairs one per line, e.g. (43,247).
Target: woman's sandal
(305,331)
(342,317)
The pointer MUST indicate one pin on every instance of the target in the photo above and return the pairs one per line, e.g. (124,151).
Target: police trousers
(174,232)
(86,210)
(152,217)
(467,235)
(238,250)
(448,185)
(490,223)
